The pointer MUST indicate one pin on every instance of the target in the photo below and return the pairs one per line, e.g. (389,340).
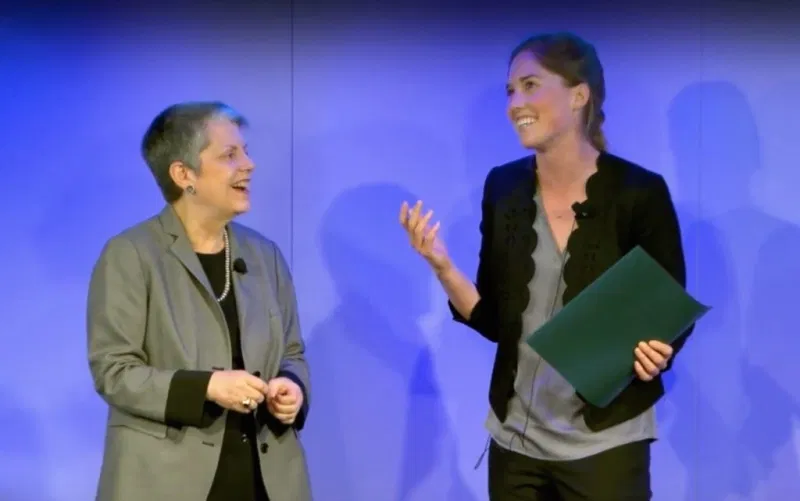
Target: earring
(190,190)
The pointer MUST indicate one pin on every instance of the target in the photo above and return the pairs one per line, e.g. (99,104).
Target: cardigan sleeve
(483,318)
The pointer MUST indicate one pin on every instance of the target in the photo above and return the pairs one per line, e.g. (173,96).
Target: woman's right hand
(424,238)
(238,391)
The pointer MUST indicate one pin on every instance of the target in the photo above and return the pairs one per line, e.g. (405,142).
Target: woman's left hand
(284,399)
(652,357)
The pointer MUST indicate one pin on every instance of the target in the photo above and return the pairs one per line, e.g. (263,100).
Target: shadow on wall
(736,441)
(489,141)
(381,430)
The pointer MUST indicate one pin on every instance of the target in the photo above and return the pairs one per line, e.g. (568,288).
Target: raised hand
(424,237)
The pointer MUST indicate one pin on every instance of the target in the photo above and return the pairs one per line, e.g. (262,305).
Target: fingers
(429,239)
(244,409)
(418,227)
(287,398)
(252,393)
(246,389)
(659,360)
(413,216)
(238,405)
(276,389)
(284,413)
(280,407)
(651,358)
(252,387)
(256,383)
(663,349)
(421,234)
(246,395)
(273,389)
(404,214)
(641,373)
(284,400)
(409,215)
(649,363)
(643,359)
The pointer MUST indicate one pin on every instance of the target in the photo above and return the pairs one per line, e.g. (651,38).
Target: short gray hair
(178,134)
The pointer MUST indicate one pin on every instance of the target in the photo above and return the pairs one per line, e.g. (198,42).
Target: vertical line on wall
(704,41)
(291,135)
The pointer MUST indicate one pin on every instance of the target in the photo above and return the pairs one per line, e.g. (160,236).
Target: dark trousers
(619,474)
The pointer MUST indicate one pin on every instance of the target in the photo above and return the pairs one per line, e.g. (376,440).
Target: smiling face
(541,106)
(222,181)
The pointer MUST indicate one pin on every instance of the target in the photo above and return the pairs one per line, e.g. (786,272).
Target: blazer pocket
(152,428)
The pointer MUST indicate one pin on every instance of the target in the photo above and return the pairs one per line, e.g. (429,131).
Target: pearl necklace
(227,289)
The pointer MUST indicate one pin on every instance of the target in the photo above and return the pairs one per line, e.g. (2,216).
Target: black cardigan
(626,206)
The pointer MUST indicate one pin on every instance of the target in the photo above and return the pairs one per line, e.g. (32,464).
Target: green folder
(590,342)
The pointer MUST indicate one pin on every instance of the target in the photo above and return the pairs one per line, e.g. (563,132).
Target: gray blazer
(151,312)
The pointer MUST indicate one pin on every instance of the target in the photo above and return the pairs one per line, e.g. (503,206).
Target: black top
(238,475)
(626,206)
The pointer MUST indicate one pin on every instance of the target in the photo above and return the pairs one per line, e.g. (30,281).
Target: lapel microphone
(582,211)
(239,266)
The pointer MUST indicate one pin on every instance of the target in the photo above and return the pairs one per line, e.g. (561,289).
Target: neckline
(213,255)
(598,186)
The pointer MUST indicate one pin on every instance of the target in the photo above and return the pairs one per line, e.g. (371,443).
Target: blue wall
(353,111)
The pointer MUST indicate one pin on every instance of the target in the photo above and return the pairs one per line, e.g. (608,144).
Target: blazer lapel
(182,248)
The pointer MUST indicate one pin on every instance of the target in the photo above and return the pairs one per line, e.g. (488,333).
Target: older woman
(194,340)
(551,224)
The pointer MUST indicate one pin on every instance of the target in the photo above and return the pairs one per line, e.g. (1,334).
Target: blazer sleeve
(116,325)
(483,318)
(294,365)
(657,230)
